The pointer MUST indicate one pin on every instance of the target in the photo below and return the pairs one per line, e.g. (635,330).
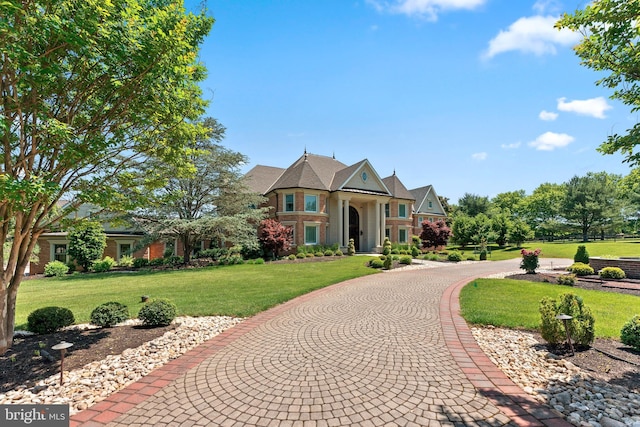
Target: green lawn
(514,304)
(238,290)
(626,247)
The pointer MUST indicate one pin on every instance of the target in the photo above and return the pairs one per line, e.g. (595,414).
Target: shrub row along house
(327,202)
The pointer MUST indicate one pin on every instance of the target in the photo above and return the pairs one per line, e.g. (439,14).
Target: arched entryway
(354,226)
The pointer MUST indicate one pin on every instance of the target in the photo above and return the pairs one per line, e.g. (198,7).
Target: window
(430,204)
(402,210)
(402,235)
(60,252)
(387,233)
(310,203)
(288,202)
(310,234)
(124,249)
(386,210)
(420,220)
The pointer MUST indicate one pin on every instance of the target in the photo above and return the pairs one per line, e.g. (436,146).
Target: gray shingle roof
(260,178)
(397,188)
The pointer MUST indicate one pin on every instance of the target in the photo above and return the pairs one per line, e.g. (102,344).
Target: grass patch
(238,290)
(626,247)
(514,304)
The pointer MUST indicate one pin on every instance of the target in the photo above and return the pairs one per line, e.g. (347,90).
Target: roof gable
(260,178)
(360,176)
(423,196)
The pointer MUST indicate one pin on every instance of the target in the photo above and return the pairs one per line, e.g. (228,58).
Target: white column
(346,222)
(378,241)
(340,223)
(383,222)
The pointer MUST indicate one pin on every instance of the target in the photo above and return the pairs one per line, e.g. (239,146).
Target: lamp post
(62,346)
(565,318)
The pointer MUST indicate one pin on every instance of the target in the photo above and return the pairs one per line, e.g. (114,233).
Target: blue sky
(471,96)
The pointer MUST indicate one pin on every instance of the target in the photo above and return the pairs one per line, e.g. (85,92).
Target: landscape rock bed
(95,381)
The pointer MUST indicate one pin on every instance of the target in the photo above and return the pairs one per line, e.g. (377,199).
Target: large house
(327,202)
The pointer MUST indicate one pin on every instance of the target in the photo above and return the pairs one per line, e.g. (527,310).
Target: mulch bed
(607,359)
(23,363)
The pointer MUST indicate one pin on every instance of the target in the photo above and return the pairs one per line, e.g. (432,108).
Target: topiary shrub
(581,255)
(159,312)
(630,333)
(612,273)
(291,257)
(140,262)
(300,255)
(454,256)
(351,249)
(388,262)
(581,269)
(47,320)
(56,269)
(108,314)
(551,329)
(261,260)
(328,252)
(567,279)
(318,254)
(339,253)
(376,263)
(386,246)
(406,260)
(106,264)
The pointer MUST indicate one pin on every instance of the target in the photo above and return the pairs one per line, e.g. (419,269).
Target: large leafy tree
(473,204)
(610,45)
(590,201)
(86,89)
(210,203)
(275,237)
(543,209)
(513,201)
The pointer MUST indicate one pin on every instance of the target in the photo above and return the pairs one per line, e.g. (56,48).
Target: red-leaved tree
(434,234)
(275,237)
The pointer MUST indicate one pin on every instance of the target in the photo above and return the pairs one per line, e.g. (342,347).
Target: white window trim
(123,242)
(317,202)
(53,243)
(284,201)
(406,231)
(315,224)
(405,210)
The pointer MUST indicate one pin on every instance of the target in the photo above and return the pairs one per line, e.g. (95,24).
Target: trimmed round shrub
(581,255)
(471,258)
(156,262)
(300,255)
(630,333)
(318,254)
(415,252)
(612,273)
(388,262)
(406,260)
(581,326)
(567,279)
(454,256)
(309,255)
(395,251)
(261,260)
(173,260)
(291,257)
(159,312)
(581,269)
(106,264)
(339,253)
(48,320)
(376,263)
(328,252)
(140,262)
(56,269)
(108,314)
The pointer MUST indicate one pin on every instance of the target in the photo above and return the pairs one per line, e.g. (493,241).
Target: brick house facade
(327,202)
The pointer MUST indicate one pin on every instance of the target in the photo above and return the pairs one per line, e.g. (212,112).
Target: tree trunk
(186,244)
(8,296)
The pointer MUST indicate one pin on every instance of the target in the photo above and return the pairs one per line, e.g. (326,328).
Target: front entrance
(354,227)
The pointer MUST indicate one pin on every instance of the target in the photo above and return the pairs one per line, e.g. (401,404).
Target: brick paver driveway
(366,352)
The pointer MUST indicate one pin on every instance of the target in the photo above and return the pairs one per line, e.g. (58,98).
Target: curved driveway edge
(388,349)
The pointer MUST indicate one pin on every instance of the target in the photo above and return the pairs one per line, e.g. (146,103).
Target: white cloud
(547,116)
(545,6)
(479,156)
(549,141)
(511,146)
(594,107)
(374,28)
(428,9)
(534,34)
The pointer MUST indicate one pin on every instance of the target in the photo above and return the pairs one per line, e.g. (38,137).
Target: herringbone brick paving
(382,350)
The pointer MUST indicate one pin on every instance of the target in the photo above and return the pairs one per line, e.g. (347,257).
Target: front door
(354,227)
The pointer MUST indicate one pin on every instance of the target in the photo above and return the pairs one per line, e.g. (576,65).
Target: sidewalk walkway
(388,349)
